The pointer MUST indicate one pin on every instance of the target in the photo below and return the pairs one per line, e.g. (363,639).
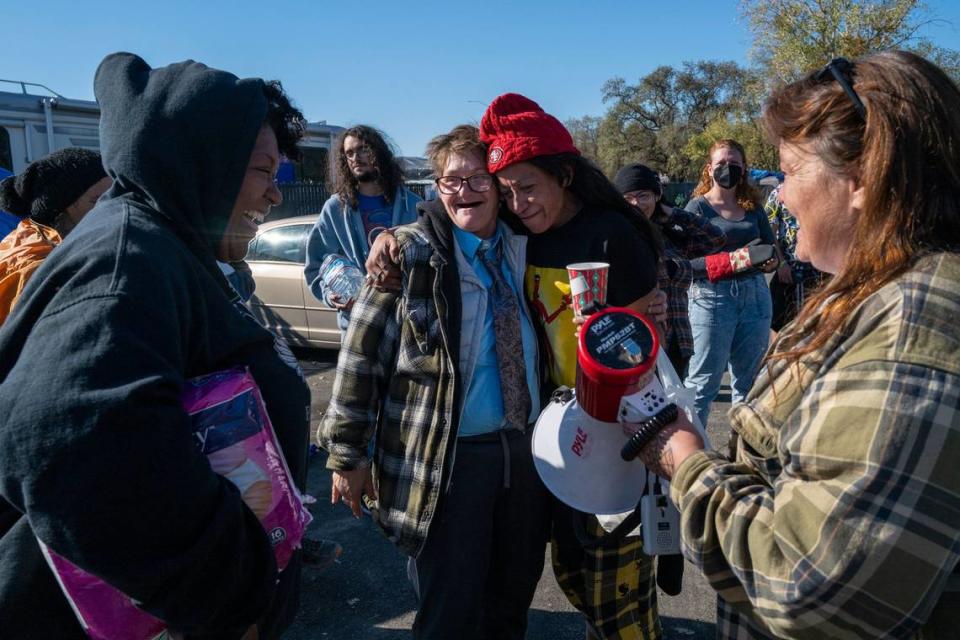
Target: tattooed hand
(671,446)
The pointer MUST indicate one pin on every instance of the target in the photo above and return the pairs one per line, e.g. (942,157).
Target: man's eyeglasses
(840,69)
(358,151)
(479,182)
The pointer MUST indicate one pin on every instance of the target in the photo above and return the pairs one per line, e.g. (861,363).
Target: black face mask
(728,175)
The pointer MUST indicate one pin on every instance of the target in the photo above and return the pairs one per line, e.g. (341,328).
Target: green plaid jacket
(396,374)
(839,515)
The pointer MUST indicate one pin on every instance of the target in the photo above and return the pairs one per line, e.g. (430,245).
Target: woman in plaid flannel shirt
(837,514)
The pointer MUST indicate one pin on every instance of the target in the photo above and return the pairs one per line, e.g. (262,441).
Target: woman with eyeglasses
(837,512)
(445,372)
(571,213)
(729,307)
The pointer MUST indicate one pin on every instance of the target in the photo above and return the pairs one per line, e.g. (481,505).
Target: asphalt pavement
(366,594)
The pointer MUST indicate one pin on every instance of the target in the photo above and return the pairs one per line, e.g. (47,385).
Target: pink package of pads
(231,427)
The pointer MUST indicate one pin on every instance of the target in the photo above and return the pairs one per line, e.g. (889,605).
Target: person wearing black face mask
(727,176)
(730,308)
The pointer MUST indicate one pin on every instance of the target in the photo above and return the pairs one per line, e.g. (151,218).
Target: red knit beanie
(515,129)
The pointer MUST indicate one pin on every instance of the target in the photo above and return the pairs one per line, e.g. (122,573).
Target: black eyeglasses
(840,69)
(357,151)
(478,182)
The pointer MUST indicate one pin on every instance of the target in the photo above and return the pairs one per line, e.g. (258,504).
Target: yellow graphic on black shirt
(551,309)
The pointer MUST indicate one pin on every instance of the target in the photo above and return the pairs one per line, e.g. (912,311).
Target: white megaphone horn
(578,439)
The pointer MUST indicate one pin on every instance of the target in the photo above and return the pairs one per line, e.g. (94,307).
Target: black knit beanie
(48,186)
(637,177)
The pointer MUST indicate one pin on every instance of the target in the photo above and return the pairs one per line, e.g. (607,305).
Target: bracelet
(648,430)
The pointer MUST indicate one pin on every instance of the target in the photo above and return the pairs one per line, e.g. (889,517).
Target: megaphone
(578,438)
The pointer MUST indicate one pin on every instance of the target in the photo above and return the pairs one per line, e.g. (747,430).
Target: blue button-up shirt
(483,403)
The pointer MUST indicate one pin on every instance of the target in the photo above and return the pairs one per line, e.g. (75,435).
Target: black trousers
(479,569)
(677,359)
(787,298)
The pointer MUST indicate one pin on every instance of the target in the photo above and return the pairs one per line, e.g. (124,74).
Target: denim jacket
(339,229)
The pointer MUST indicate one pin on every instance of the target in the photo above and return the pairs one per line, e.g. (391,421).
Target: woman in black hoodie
(96,454)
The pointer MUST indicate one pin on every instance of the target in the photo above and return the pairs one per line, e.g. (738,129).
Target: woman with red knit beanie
(574,214)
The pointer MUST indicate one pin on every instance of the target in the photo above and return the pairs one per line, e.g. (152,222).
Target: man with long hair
(369,196)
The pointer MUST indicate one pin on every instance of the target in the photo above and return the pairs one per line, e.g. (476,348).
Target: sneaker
(319,554)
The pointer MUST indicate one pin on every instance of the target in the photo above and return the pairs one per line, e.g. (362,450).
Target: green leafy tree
(760,153)
(653,120)
(586,135)
(793,37)
(621,143)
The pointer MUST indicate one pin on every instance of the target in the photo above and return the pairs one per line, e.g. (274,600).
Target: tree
(586,135)
(692,95)
(653,120)
(793,37)
(621,143)
(760,153)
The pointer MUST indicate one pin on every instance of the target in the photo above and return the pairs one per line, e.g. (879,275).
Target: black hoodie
(96,456)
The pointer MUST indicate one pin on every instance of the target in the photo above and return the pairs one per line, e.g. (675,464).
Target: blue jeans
(731,327)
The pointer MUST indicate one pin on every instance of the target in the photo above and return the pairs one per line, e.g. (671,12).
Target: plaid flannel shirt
(614,587)
(686,235)
(395,370)
(839,516)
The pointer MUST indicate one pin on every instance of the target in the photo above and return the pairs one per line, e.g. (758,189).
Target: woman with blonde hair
(839,514)
(729,307)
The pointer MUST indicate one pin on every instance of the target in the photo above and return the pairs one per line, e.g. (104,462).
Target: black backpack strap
(611,538)
(607,540)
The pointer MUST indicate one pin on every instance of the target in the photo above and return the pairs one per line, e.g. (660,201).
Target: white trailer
(35,121)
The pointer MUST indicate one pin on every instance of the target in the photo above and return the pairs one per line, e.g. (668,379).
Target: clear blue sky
(412,69)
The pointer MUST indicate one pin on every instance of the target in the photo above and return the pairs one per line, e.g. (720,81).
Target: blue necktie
(506,327)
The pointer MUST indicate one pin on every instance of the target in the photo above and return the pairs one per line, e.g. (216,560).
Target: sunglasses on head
(840,69)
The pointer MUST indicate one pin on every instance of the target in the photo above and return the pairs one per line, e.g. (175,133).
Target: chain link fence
(307,198)
(300,199)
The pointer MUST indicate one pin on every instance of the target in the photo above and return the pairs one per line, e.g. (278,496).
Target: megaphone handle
(648,430)
(591,308)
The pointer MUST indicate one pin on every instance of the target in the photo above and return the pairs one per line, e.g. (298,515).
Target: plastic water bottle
(340,278)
